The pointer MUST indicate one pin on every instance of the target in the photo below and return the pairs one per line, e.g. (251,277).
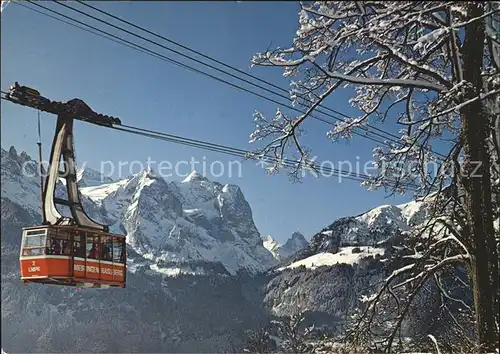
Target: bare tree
(293,337)
(434,68)
(258,341)
(429,261)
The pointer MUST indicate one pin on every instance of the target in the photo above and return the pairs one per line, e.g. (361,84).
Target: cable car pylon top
(75,108)
(62,147)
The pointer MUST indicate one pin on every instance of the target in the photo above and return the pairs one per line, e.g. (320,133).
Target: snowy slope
(88,177)
(346,255)
(175,225)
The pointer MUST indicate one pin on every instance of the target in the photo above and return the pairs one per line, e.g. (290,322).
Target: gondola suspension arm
(62,147)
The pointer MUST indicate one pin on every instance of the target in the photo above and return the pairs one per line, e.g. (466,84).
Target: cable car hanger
(43,259)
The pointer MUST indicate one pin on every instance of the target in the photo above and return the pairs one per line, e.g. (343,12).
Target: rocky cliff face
(181,223)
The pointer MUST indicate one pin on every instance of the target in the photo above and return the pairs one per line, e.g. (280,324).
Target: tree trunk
(478,188)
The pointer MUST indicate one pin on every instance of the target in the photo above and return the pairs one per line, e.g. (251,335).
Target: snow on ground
(344,256)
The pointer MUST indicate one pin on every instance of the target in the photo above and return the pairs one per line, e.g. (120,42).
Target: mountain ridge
(195,220)
(341,261)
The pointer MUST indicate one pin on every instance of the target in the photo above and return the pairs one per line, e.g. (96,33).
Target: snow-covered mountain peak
(20,180)
(98,193)
(12,151)
(402,216)
(271,245)
(20,159)
(232,189)
(182,222)
(383,215)
(148,176)
(232,194)
(148,172)
(128,186)
(199,220)
(194,176)
(413,212)
(298,237)
(294,244)
(268,238)
(21,184)
(234,207)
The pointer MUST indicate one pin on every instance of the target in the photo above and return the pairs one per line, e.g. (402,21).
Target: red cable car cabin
(76,250)
(73,256)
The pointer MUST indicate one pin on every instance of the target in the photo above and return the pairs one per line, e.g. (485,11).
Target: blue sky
(64,62)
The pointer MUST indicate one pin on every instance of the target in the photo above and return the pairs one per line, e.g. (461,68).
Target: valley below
(201,277)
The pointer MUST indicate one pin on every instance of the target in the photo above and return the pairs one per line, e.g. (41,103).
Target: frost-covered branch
(386,82)
(410,49)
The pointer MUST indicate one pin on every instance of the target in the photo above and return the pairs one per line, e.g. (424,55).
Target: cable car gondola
(76,250)
(72,256)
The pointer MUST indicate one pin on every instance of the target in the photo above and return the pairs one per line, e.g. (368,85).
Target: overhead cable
(245,154)
(172,61)
(390,136)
